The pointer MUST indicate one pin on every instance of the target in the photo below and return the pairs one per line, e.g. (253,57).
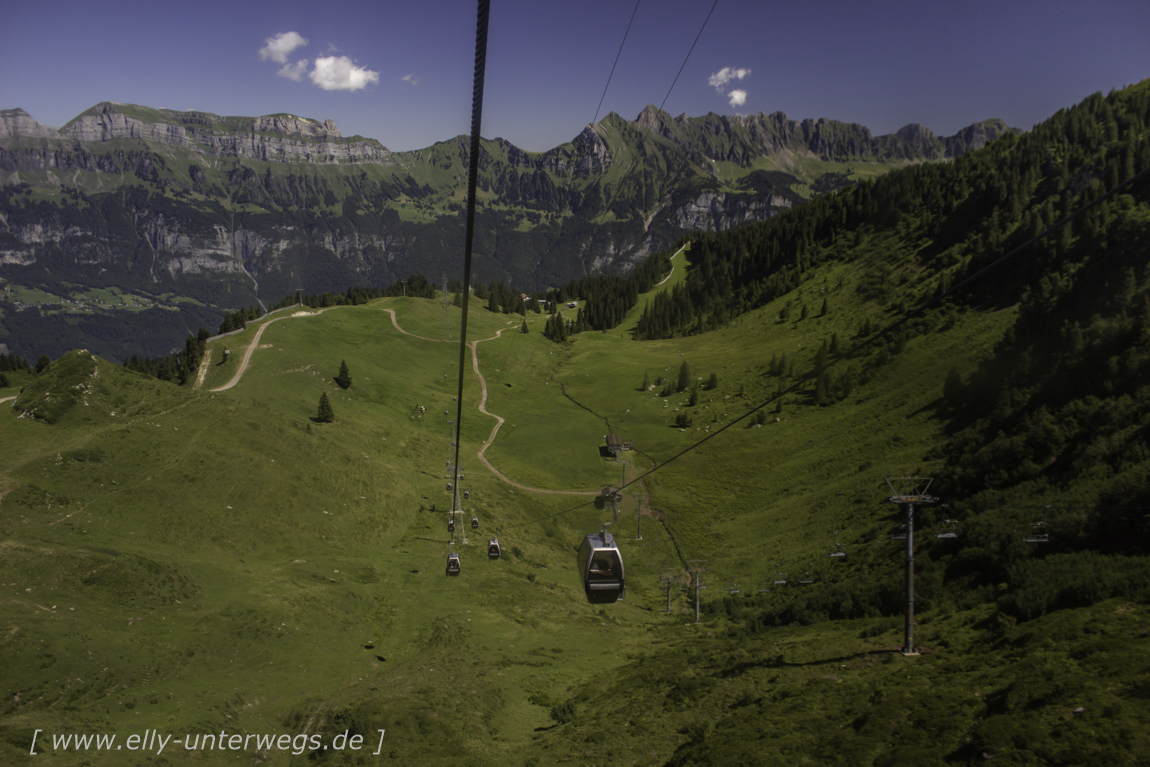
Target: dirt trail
(243,366)
(499,422)
(473,345)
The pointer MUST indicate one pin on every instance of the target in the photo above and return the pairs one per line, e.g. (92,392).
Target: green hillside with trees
(219,558)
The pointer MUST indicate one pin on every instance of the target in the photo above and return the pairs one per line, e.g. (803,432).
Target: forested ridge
(953,218)
(1049,437)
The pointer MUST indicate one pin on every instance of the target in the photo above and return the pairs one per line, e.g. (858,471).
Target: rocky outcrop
(743,139)
(17,122)
(285,138)
(716,211)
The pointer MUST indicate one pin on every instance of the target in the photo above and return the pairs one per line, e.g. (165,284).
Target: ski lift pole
(908,495)
(908,630)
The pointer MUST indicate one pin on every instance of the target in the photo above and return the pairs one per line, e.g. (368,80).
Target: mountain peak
(17,122)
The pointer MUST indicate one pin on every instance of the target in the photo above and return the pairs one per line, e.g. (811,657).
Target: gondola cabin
(493,549)
(453,564)
(601,568)
(475,523)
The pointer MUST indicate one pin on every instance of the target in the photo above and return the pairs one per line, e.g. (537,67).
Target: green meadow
(214,560)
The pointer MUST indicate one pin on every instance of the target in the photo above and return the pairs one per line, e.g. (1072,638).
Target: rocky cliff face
(273,137)
(743,139)
(17,122)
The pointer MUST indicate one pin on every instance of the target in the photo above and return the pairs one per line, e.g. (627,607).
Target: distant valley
(130,227)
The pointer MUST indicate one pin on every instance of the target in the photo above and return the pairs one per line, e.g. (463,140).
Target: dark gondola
(601,568)
(453,564)
(475,523)
(493,549)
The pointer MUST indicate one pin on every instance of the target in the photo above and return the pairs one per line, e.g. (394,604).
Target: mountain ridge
(203,214)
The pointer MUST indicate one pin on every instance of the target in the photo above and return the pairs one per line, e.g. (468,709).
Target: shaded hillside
(194,213)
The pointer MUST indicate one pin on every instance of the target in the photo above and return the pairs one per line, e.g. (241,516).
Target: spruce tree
(684,377)
(344,377)
(325,414)
(523,328)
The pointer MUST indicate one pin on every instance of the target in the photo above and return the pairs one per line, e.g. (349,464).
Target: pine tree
(523,328)
(713,382)
(325,414)
(684,377)
(344,377)
(42,364)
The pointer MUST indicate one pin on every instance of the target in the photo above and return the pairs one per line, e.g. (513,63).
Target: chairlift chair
(837,549)
(780,577)
(601,568)
(493,549)
(807,577)
(453,564)
(1039,535)
(899,533)
(949,529)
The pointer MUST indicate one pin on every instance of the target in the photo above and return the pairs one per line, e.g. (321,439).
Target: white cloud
(294,71)
(279,47)
(725,75)
(338,73)
(738,97)
(410,79)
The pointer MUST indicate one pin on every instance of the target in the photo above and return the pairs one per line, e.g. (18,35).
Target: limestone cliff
(271,137)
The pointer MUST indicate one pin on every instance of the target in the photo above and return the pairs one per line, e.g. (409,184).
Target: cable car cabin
(453,564)
(466,494)
(451,525)
(493,548)
(475,523)
(601,568)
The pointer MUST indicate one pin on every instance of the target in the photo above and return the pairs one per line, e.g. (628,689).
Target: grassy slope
(226,563)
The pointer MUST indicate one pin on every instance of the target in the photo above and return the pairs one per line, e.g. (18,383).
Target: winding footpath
(473,345)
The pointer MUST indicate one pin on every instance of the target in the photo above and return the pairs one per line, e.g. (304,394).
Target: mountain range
(179,216)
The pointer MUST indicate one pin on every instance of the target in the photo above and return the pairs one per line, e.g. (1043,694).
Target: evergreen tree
(523,328)
(42,364)
(694,400)
(684,377)
(325,414)
(344,377)
(646,382)
(713,382)
(4,384)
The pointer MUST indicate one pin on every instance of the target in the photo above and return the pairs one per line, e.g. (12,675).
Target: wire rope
(617,55)
(482,15)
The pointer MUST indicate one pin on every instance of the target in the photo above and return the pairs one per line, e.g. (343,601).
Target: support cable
(617,55)
(483,13)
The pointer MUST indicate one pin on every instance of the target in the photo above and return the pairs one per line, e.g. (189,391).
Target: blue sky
(400,72)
